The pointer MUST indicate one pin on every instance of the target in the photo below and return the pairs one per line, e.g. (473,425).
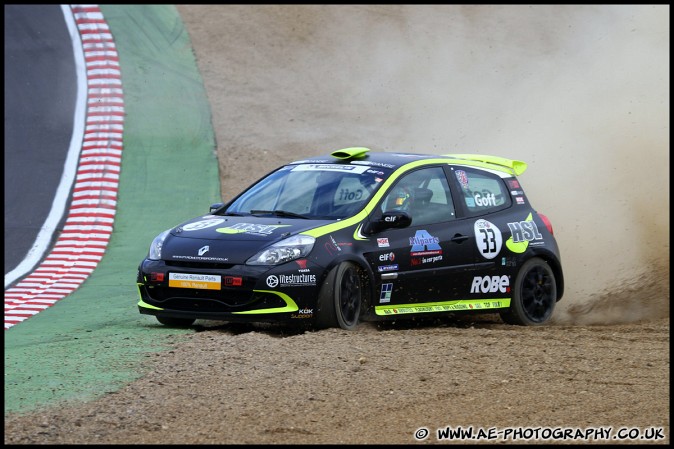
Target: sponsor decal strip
(445,306)
(89,223)
(196,281)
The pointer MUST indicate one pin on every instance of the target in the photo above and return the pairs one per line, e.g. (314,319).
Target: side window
(424,194)
(482,191)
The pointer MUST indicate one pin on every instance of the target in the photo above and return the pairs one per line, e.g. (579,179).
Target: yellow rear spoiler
(518,167)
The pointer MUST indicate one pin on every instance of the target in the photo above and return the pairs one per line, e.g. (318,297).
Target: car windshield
(312,191)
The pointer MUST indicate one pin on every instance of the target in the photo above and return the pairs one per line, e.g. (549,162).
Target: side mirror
(391,219)
(215,207)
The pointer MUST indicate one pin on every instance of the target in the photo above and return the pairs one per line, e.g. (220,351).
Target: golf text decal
(485,199)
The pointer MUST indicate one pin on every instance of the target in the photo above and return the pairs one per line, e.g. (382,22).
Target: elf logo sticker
(488,238)
(390,257)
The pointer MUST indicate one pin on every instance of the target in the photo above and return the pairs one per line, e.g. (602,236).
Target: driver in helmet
(399,199)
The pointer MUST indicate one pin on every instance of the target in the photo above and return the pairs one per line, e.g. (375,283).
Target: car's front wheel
(534,294)
(341,298)
(175,322)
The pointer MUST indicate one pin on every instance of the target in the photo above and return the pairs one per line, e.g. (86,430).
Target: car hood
(229,239)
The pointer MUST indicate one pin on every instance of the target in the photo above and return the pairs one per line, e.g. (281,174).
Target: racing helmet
(399,199)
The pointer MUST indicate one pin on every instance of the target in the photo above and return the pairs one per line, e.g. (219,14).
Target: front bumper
(242,293)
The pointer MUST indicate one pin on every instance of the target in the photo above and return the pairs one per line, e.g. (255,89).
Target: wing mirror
(391,219)
(215,207)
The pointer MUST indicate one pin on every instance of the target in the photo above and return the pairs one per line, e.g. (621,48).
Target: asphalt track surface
(40,94)
(94,341)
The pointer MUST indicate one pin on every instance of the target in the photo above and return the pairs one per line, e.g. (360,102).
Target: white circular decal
(488,238)
(272,281)
(203,224)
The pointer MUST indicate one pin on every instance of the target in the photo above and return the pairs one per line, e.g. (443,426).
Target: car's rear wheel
(534,294)
(341,298)
(175,322)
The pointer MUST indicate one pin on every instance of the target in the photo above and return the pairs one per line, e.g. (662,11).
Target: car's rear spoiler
(518,167)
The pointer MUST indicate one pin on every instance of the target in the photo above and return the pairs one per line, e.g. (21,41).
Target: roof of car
(363,156)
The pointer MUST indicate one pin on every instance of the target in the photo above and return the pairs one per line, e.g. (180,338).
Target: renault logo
(203,250)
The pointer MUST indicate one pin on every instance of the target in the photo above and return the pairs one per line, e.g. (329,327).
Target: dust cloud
(581,93)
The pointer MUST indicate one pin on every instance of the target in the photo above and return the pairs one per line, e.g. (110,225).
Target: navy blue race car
(356,236)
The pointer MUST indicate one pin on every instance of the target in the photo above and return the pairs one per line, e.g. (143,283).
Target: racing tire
(534,295)
(175,322)
(341,297)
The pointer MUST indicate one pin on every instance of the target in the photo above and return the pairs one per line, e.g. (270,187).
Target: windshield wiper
(278,213)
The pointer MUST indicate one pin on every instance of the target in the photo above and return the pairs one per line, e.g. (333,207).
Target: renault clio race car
(361,236)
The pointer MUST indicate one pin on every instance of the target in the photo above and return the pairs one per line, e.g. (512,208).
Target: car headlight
(284,251)
(155,247)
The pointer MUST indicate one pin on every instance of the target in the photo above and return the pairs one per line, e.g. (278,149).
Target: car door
(485,202)
(433,258)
